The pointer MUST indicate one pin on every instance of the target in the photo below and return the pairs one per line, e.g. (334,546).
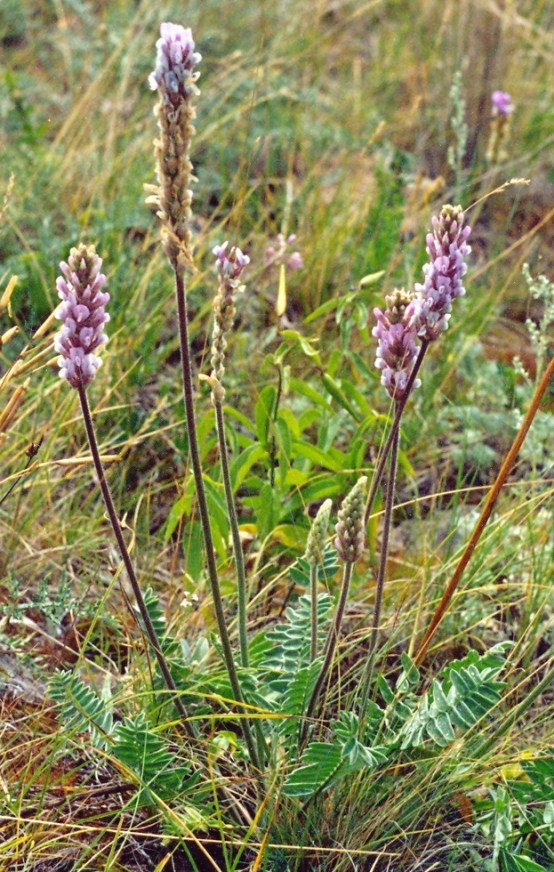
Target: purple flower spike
(397,351)
(447,249)
(502,102)
(230,265)
(83,316)
(174,75)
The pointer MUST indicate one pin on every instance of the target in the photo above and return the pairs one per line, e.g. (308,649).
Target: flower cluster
(82,314)
(277,255)
(447,248)
(397,350)
(229,266)
(502,103)
(350,529)
(175,79)
(174,75)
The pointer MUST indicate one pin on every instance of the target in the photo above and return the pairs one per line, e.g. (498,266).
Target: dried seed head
(175,80)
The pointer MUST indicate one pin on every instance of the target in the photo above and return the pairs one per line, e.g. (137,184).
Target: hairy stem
(330,647)
(381,574)
(235,535)
(118,533)
(384,453)
(188,395)
(313,594)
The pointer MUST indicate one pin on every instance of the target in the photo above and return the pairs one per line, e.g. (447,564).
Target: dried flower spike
(318,534)
(397,351)
(230,267)
(82,315)
(175,79)
(447,248)
(350,533)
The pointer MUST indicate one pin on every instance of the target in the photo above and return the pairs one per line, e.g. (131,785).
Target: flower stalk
(349,543)
(314,556)
(408,318)
(175,79)
(229,267)
(83,317)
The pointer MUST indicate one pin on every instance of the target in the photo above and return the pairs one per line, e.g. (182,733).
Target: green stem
(235,535)
(118,533)
(381,574)
(384,453)
(313,594)
(188,395)
(330,647)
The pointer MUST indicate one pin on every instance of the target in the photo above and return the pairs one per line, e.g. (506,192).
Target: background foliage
(332,121)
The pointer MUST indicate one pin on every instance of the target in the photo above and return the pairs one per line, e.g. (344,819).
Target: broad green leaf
(296,478)
(338,394)
(357,396)
(193,549)
(241,465)
(291,535)
(231,412)
(370,374)
(306,390)
(264,413)
(371,279)
(182,506)
(296,338)
(218,513)
(324,309)
(291,421)
(316,455)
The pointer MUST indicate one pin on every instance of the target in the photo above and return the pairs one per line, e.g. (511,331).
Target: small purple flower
(83,316)
(397,350)
(174,75)
(230,265)
(447,248)
(295,261)
(502,102)
(277,255)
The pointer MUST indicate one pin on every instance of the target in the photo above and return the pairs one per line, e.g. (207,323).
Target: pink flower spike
(82,314)
(397,349)
(447,247)
(174,74)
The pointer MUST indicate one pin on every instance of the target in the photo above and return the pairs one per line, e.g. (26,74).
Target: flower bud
(350,533)
(318,534)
